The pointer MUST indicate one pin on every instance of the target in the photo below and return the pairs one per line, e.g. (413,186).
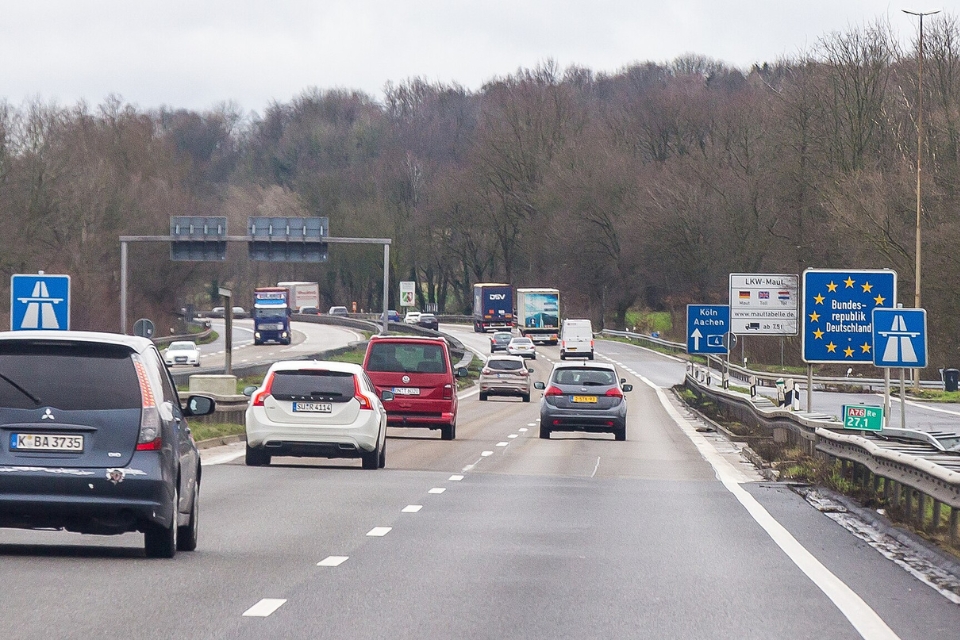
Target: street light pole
(916,285)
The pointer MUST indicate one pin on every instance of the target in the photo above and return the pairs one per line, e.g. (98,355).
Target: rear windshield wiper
(16,386)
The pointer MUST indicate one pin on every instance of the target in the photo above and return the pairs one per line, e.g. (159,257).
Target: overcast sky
(197,53)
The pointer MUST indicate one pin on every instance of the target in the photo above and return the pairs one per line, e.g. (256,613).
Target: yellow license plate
(585,399)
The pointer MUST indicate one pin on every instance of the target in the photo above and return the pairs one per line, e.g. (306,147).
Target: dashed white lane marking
(469,467)
(486,453)
(512,436)
(437,490)
(264,608)
(531,424)
(864,619)
(333,561)
(379,532)
(596,467)
(522,429)
(411,508)
(502,444)
(456,478)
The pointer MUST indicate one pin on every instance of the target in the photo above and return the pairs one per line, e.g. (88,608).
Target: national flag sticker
(744,295)
(764,295)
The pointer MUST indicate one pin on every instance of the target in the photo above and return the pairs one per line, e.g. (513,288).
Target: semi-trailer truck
(302,294)
(538,314)
(492,306)
(271,315)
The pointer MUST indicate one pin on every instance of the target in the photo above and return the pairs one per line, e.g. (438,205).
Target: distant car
(240,312)
(183,352)
(309,311)
(505,376)
(428,321)
(392,316)
(500,340)
(522,347)
(95,439)
(315,408)
(412,317)
(337,311)
(216,312)
(584,397)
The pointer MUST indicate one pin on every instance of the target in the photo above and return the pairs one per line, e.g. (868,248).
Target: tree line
(642,188)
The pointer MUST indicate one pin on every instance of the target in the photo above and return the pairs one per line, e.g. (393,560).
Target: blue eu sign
(838,313)
(39,302)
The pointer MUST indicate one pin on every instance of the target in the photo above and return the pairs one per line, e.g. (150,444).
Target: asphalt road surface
(497,534)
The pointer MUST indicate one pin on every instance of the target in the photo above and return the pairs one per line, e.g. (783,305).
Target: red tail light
(149,437)
(524,372)
(362,399)
(154,445)
(448,392)
(614,393)
(486,371)
(553,391)
(261,394)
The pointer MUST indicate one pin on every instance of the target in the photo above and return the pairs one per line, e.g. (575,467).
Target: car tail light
(362,399)
(261,394)
(524,372)
(591,345)
(448,392)
(149,437)
(614,393)
(553,391)
(486,372)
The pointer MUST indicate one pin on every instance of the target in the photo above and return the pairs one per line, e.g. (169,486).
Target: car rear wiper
(16,386)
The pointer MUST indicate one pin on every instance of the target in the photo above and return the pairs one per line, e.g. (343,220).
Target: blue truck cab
(271,315)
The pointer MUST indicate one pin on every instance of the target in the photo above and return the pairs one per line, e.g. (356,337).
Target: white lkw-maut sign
(764,304)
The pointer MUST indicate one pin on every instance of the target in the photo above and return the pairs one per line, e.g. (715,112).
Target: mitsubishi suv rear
(419,373)
(93,439)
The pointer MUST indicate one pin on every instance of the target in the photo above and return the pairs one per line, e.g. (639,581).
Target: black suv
(93,439)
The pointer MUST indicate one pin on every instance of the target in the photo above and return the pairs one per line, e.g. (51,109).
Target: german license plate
(312,407)
(45,442)
(406,391)
(592,399)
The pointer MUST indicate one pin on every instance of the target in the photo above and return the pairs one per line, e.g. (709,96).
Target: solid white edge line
(596,467)
(333,561)
(863,618)
(224,458)
(264,608)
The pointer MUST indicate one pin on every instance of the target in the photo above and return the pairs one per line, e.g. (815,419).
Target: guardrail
(766,379)
(913,468)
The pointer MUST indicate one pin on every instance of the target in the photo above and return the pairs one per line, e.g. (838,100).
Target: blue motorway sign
(838,313)
(39,302)
(706,326)
(900,338)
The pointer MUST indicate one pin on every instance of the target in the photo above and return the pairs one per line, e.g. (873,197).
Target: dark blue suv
(93,439)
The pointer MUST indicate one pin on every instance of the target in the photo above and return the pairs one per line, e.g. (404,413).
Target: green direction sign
(862,417)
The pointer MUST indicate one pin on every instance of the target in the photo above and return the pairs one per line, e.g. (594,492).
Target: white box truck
(538,314)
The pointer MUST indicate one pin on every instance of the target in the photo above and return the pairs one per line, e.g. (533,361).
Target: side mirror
(539,385)
(386,396)
(248,391)
(462,372)
(623,380)
(200,406)
(627,387)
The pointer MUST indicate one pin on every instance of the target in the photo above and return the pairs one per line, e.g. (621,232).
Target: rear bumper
(287,439)
(599,421)
(421,420)
(499,387)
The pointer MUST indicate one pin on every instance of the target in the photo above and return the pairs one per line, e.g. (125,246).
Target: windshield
(271,314)
(182,346)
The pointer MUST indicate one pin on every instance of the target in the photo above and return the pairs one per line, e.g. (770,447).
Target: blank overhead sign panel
(198,238)
(764,304)
(275,239)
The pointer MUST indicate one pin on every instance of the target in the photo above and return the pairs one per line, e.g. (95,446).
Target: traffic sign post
(862,417)
(39,302)
(707,324)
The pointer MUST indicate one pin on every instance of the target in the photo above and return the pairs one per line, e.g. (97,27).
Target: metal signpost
(837,320)
(39,302)
(899,341)
(227,295)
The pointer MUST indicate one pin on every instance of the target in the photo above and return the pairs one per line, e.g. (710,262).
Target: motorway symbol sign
(706,326)
(900,338)
(837,316)
(39,302)
(862,417)
(764,304)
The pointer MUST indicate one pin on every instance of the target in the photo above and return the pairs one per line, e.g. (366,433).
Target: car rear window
(69,376)
(335,386)
(504,365)
(406,358)
(585,377)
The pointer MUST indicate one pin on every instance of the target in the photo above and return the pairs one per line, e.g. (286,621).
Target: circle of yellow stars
(815,317)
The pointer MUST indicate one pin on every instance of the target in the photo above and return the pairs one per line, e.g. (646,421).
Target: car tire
(159,541)
(197,364)
(620,434)
(256,457)
(483,396)
(563,356)
(544,432)
(187,536)
(448,432)
(590,357)
(526,397)
(371,459)
(382,460)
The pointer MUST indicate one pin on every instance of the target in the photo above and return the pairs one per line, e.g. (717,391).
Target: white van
(576,339)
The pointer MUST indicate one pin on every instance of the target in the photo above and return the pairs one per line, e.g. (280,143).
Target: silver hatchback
(505,376)
(584,397)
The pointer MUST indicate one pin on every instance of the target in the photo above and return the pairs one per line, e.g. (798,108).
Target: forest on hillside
(640,189)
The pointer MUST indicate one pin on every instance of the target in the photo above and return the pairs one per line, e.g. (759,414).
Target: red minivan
(419,372)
